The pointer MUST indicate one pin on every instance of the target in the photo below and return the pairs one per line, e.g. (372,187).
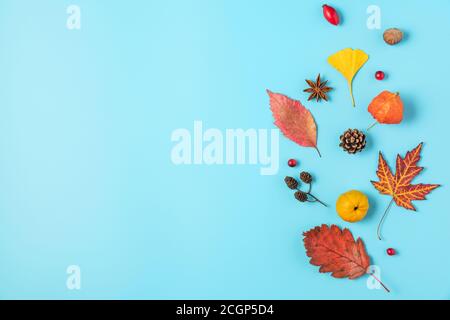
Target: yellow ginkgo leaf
(348,62)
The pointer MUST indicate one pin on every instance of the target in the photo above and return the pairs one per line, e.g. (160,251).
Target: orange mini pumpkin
(387,108)
(352,206)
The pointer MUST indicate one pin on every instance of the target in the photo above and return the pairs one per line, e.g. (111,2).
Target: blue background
(85,172)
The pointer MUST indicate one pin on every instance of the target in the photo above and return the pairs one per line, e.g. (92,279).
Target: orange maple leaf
(399,185)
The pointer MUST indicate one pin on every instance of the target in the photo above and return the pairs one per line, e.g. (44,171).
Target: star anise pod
(318,90)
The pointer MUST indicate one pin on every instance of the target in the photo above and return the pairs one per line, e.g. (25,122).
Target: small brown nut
(393,36)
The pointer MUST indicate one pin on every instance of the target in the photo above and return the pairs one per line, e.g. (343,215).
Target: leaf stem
(373,125)
(380,282)
(383,218)
(318,151)
(350,86)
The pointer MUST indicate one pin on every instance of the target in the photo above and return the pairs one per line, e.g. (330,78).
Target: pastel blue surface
(85,124)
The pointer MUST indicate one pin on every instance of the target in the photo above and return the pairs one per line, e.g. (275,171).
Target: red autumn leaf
(335,251)
(399,185)
(294,120)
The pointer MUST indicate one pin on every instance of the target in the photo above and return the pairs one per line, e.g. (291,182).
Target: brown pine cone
(306,177)
(291,183)
(301,196)
(353,141)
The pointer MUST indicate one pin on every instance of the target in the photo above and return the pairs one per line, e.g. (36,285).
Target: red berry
(379,75)
(391,252)
(331,14)
(292,163)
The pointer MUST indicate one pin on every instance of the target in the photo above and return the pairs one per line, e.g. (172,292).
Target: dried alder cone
(291,183)
(306,177)
(335,251)
(294,120)
(300,195)
(399,185)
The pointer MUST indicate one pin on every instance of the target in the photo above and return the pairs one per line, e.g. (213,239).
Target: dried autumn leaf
(399,185)
(348,62)
(294,120)
(335,251)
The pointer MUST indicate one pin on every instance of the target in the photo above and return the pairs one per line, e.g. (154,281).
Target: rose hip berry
(379,75)
(391,252)
(331,14)
(292,163)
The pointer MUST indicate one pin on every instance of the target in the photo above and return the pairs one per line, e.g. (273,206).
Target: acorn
(393,36)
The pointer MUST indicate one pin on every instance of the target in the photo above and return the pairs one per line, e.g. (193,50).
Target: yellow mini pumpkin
(352,206)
